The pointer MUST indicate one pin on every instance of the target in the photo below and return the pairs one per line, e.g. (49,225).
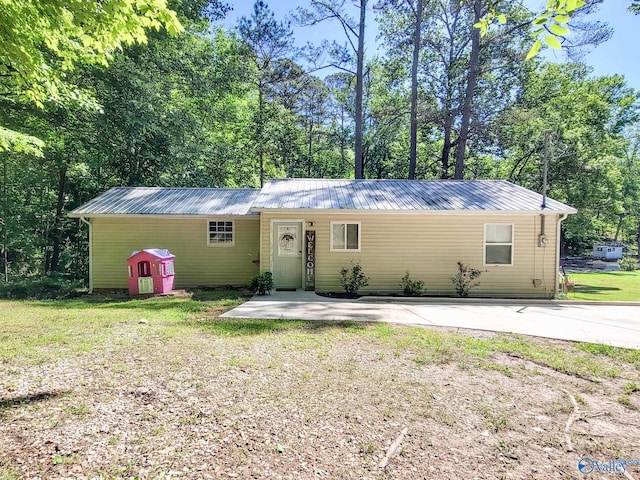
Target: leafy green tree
(342,57)
(397,32)
(461,76)
(42,41)
(587,118)
(172,112)
(267,41)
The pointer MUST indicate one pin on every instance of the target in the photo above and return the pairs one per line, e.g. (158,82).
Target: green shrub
(353,278)
(411,287)
(628,264)
(46,287)
(262,283)
(463,280)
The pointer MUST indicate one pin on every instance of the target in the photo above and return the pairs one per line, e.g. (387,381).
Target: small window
(144,268)
(345,236)
(130,271)
(220,233)
(498,244)
(169,270)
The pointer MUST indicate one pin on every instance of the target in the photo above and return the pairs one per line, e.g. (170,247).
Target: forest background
(176,98)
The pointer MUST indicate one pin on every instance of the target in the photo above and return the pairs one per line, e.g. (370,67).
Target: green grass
(590,361)
(184,357)
(36,332)
(605,286)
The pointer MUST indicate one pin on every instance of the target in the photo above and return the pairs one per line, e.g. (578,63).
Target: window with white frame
(220,233)
(498,244)
(345,236)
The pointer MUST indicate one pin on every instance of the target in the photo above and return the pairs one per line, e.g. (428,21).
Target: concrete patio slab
(617,325)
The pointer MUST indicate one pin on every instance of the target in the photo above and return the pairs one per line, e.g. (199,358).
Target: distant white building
(607,250)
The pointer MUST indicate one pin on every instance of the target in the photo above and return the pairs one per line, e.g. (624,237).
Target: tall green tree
(42,41)
(354,30)
(587,118)
(267,41)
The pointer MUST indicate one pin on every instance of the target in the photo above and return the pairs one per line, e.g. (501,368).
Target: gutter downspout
(557,275)
(84,220)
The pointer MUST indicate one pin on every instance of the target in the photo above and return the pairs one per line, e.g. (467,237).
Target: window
(220,233)
(169,269)
(144,268)
(345,236)
(498,244)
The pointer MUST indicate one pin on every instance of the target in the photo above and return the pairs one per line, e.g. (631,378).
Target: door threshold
(286,289)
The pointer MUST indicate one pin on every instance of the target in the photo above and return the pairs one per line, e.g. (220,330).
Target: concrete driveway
(617,325)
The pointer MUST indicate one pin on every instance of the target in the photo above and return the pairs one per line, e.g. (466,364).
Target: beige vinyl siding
(196,263)
(428,246)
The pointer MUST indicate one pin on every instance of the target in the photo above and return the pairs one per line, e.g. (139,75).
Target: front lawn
(159,388)
(613,286)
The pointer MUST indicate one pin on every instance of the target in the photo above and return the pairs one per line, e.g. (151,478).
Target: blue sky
(618,55)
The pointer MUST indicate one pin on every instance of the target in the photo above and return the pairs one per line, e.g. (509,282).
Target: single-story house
(305,230)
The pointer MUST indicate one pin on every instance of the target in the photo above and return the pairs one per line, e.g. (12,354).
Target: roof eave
(434,212)
(159,215)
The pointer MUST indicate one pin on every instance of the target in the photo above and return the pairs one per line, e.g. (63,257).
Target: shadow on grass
(593,289)
(29,399)
(200,300)
(248,327)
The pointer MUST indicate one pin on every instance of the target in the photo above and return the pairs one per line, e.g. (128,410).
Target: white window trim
(233,232)
(511,244)
(346,222)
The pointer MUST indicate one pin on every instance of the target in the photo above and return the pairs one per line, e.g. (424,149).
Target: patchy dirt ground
(315,401)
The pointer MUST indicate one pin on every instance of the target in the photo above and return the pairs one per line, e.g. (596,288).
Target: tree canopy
(43,41)
(149,93)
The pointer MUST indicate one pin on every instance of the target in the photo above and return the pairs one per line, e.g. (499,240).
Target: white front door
(287,254)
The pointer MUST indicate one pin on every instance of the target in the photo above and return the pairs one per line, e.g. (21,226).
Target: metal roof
(169,201)
(404,195)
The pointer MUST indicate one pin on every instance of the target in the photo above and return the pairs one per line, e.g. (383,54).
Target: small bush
(411,287)
(262,283)
(628,264)
(463,280)
(39,288)
(353,278)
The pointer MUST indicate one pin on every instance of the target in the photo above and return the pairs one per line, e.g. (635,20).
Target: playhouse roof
(156,252)
(404,195)
(169,201)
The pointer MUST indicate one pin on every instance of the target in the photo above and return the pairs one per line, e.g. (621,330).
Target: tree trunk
(5,219)
(619,227)
(259,130)
(343,138)
(638,238)
(57,221)
(413,146)
(359,151)
(472,79)
(310,150)
(446,146)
